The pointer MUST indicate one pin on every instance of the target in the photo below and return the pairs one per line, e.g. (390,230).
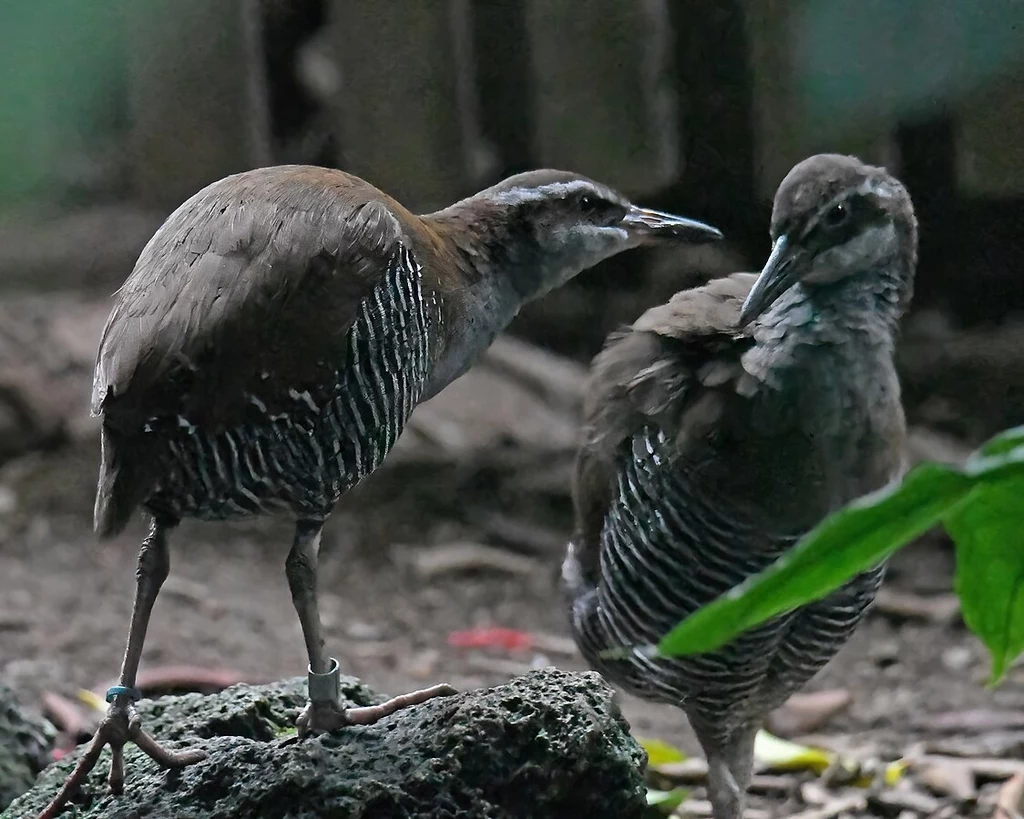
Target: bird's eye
(836,216)
(587,203)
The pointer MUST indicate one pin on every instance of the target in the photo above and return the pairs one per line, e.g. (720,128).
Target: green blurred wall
(61,86)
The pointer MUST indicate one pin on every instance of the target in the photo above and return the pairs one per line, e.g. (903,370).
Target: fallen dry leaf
(948,778)
(973,721)
(462,557)
(1010,802)
(805,713)
(934,608)
(835,807)
(182,678)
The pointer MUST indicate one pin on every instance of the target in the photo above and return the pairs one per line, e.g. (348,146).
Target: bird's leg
(730,764)
(323,712)
(122,723)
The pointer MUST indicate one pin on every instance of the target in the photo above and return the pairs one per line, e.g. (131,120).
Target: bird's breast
(825,426)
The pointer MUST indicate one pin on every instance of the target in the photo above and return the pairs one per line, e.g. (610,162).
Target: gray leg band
(325,687)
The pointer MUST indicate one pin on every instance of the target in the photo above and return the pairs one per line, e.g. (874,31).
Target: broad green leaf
(660,752)
(852,540)
(665,801)
(988,529)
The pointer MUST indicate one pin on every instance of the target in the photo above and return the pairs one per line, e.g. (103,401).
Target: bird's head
(544,227)
(834,218)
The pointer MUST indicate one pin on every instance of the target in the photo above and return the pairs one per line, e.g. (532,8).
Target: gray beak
(777,276)
(654,224)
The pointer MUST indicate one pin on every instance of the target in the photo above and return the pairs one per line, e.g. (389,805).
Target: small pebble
(359,630)
(905,798)
(885,653)
(956,658)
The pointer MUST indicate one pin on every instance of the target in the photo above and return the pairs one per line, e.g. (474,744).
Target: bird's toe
(321,718)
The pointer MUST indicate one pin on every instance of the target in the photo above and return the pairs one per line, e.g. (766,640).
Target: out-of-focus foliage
(980,505)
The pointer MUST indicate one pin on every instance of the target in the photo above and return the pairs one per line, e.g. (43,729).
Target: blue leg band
(123,691)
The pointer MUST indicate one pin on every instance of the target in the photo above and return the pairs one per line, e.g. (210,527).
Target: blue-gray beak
(777,276)
(655,224)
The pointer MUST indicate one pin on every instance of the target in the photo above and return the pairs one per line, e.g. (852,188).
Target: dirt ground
(65,600)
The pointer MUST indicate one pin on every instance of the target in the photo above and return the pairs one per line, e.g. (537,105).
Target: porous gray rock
(25,744)
(548,744)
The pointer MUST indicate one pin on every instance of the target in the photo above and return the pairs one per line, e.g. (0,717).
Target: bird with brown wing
(269,346)
(724,425)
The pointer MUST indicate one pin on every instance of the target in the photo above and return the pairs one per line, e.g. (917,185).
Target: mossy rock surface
(548,744)
(26,740)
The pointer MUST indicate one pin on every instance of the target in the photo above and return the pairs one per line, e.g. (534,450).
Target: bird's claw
(121,725)
(320,718)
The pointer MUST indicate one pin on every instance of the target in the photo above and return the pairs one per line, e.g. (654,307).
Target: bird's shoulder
(676,368)
(249,287)
(672,355)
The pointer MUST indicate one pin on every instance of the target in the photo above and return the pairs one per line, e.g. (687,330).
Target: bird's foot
(323,713)
(121,725)
(322,717)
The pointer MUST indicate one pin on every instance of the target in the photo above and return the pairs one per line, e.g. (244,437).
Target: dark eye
(836,216)
(587,203)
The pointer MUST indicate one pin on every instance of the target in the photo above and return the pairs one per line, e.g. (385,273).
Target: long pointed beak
(655,224)
(777,276)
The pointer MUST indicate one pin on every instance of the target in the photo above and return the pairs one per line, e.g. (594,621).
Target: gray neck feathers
(488,305)
(870,302)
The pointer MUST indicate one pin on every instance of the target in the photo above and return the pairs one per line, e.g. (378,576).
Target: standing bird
(270,345)
(723,426)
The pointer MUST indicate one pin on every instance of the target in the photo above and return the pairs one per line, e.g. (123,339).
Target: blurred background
(115,111)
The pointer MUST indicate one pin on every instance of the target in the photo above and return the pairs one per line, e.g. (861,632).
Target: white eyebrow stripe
(517,196)
(878,187)
(875,187)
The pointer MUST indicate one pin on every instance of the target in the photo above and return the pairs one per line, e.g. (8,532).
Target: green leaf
(660,752)
(665,801)
(980,503)
(783,755)
(851,541)
(988,530)
(1004,442)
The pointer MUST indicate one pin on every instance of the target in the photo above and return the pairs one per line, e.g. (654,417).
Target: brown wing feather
(247,291)
(249,288)
(674,367)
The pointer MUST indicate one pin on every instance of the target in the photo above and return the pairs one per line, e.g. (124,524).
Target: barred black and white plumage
(723,426)
(667,548)
(305,457)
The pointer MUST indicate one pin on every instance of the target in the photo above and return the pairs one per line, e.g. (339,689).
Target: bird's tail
(123,484)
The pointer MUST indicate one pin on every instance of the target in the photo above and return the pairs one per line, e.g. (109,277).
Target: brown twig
(369,714)
(1011,797)
(67,716)
(183,678)
(461,557)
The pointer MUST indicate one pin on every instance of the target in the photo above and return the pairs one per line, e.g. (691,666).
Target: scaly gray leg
(122,723)
(730,764)
(323,712)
